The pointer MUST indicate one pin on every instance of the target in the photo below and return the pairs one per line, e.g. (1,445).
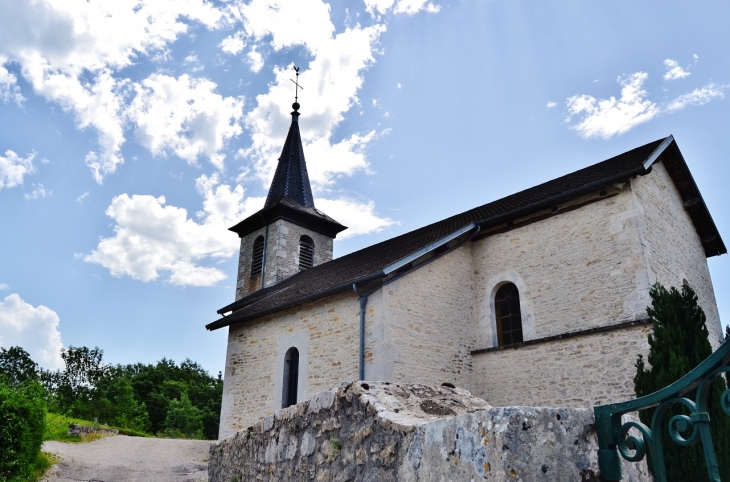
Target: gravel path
(122,458)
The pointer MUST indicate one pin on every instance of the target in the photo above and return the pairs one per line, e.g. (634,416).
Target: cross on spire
(296,89)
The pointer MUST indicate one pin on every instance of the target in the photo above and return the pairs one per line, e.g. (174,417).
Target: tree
(22,425)
(17,365)
(183,419)
(678,344)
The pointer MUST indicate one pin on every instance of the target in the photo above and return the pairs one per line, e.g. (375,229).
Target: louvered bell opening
(258,257)
(306,253)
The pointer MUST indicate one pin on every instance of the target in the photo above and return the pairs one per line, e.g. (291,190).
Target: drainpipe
(266,245)
(364,297)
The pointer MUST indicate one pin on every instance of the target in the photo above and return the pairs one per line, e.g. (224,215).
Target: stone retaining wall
(377,431)
(79,430)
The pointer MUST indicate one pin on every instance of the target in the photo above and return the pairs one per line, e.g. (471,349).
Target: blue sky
(134,133)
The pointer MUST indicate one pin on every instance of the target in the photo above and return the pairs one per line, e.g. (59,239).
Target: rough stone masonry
(379,431)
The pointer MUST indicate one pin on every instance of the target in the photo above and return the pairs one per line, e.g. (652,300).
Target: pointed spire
(291,179)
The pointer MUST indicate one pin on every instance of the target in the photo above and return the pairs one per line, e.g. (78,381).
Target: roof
(369,263)
(291,178)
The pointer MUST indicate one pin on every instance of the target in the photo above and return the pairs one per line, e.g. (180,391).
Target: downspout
(364,297)
(266,245)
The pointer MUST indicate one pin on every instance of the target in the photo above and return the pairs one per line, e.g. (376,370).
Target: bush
(22,425)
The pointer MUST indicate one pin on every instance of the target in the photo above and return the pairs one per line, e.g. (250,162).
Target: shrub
(22,424)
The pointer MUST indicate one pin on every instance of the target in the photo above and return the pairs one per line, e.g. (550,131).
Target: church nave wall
(673,247)
(575,271)
(326,334)
(576,372)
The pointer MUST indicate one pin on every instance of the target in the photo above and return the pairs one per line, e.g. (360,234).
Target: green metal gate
(614,437)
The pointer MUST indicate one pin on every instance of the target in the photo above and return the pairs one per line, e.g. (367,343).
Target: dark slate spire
(291,179)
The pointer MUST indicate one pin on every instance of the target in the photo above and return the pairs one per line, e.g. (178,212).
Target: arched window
(507,311)
(257,257)
(291,378)
(306,253)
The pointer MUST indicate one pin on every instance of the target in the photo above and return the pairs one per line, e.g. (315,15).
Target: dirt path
(121,458)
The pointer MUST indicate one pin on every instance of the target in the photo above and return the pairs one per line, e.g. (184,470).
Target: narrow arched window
(257,258)
(306,253)
(507,311)
(291,378)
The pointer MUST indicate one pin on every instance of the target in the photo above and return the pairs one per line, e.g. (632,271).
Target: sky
(134,133)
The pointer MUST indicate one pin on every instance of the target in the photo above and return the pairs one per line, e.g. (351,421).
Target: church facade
(535,299)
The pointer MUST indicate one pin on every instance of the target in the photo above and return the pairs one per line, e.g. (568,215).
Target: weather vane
(296,89)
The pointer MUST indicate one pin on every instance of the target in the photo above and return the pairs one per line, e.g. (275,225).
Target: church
(535,299)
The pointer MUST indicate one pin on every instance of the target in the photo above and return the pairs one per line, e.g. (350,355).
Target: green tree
(183,419)
(17,365)
(678,344)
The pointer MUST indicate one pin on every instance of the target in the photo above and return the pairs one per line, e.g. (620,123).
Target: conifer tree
(678,344)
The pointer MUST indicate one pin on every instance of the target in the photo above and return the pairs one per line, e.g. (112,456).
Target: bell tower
(289,234)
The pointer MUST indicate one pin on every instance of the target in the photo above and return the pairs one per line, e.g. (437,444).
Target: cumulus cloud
(608,117)
(605,118)
(70,52)
(184,115)
(360,218)
(13,168)
(4,287)
(38,192)
(408,7)
(33,328)
(551,104)
(151,238)
(9,90)
(82,198)
(233,44)
(674,70)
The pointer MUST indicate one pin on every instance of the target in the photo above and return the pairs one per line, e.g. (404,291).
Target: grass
(44,462)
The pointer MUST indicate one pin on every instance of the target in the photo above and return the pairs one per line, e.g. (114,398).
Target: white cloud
(184,115)
(151,238)
(408,7)
(33,328)
(605,118)
(330,89)
(360,218)
(697,97)
(9,90)
(4,287)
(38,192)
(551,104)
(608,117)
(69,52)
(674,70)
(399,86)
(13,168)
(695,57)
(233,44)
(255,60)
(82,198)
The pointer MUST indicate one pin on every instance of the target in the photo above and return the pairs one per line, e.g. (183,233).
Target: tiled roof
(291,178)
(340,273)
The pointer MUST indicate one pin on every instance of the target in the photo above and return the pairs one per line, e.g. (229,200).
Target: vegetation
(22,424)
(678,344)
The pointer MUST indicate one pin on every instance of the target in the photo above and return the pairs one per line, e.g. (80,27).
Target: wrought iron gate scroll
(614,437)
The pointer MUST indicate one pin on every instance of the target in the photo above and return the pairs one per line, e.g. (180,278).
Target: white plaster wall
(326,334)
(673,248)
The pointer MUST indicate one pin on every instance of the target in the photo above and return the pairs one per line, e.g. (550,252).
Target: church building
(536,299)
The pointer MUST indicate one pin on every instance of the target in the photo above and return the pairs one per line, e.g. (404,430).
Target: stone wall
(581,371)
(326,334)
(81,430)
(421,328)
(282,255)
(673,248)
(367,431)
(575,270)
